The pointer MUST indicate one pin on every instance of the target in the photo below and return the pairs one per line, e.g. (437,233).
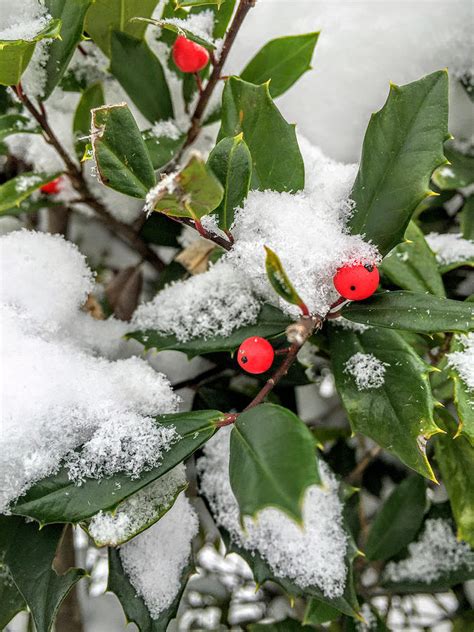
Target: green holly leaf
(412,311)
(318,612)
(120,153)
(458,173)
(398,521)
(277,160)
(282,61)
(14,191)
(92,97)
(11,601)
(162,149)
(133,605)
(276,451)
(198,3)
(455,459)
(15,55)
(271,322)
(57,499)
(105,16)
(231,162)
(280,282)
(404,430)
(402,146)
(28,552)
(17,124)
(412,265)
(463,397)
(195,192)
(72,14)
(141,75)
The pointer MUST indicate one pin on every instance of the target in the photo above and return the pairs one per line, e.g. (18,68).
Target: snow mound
(367,370)
(57,396)
(312,555)
(450,247)
(155,560)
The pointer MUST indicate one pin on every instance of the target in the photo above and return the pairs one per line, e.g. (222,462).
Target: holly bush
(402,421)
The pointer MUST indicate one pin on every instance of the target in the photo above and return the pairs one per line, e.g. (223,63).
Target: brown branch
(207,234)
(360,468)
(242,10)
(123,231)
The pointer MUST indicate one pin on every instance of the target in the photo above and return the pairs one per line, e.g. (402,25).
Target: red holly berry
(356,282)
(255,355)
(52,187)
(189,56)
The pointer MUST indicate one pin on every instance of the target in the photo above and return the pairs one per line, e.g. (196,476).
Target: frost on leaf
(435,553)
(155,560)
(367,370)
(65,397)
(450,248)
(205,305)
(139,511)
(463,360)
(312,556)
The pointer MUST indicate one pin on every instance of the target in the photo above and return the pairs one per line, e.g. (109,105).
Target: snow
(199,24)
(463,361)
(155,560)
(312,555)
(139,511)
(450,247)
(56,395)
(306,230)
(348,325)
(367,370)
(370,620)
(205,305)
(166,129)
(436,552)
(22,21)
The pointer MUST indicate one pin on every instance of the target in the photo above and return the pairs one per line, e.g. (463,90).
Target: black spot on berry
(353,287)
(244,359)
(369,267)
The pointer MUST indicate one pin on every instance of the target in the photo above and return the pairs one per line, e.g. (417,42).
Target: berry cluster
(355,283)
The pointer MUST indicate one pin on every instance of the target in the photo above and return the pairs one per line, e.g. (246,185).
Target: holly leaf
(276,157)
(282,61)
(133,605)
(195,191)
(458,173)
(381,412)
(162,149)
(11,601)
(120,153)
(105,16)
(92,97)
(463,397)
(412,311)
(141,75)
(412,265)
(57,499)
(467,218)
(14,191)
(271,322)
(165,23)
(398,521)
(15,55)
(231,162)
(280,282)
(72,14)
(455,459)
(198,3)
(402,146)
(17,124)
(276,451)
(28,552)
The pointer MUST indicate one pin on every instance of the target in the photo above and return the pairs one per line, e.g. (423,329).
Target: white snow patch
(367,370)
(312,555)
(22,20)
(450,247)
(155,560)
(166,129)
(209,304)
(436,552)
(199,24)
(139,511)
(348,325)
(56,396)
(463,361)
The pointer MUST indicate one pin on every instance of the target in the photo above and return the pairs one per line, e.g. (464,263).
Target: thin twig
(125,232)
(360,468)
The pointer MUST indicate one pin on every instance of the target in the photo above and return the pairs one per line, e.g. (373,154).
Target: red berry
(255,355)
(52,187)
(356,282)
(189,56)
